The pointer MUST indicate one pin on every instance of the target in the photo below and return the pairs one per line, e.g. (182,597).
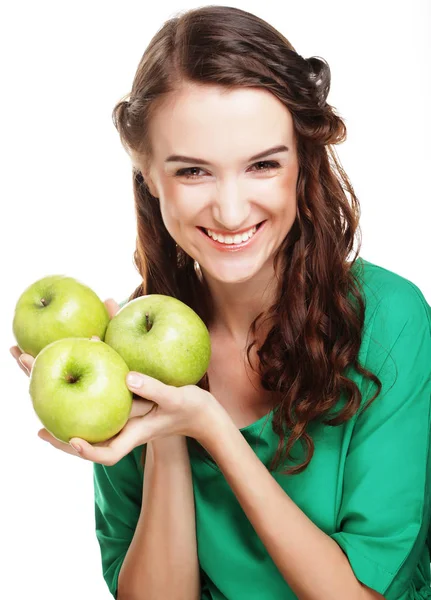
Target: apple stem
(44,302)
(71,379)
(148,322)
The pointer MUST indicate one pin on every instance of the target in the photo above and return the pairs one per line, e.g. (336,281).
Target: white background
(67,207)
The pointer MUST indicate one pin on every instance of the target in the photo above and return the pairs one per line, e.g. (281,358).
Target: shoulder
(396,337)
(391,300)
(396,347)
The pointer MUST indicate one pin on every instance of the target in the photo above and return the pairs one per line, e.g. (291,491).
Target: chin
(231,275)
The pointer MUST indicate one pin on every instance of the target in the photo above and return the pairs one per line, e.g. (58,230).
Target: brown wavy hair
(319,313)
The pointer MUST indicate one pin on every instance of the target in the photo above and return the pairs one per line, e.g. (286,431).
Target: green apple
(57,307)
(162,337)
(78,389)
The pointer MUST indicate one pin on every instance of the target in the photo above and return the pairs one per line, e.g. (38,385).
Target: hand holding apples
(77,385)
(26,362)
(161,412)
(154,334)
(184,411)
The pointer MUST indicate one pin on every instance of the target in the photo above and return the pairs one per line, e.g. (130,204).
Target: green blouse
(368,485)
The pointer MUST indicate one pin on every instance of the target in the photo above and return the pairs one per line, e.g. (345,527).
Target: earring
(198,270)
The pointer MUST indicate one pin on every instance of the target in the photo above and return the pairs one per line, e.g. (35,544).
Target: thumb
(149,388)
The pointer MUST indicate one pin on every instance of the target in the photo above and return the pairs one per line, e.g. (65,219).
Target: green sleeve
(384,516)
(118,499)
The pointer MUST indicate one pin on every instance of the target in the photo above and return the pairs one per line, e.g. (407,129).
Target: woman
(298,467)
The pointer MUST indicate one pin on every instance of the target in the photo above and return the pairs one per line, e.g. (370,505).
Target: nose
(230,207)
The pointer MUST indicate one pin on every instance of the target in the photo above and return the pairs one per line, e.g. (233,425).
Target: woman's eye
(272,165)
(186,172)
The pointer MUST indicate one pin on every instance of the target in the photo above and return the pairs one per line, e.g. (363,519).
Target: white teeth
(228,239)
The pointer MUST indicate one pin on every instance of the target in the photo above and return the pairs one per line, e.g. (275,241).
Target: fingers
(109,453)
(27,361)
(112,306)
(15,351)
(24,361)
(151,388)
(141,407)
(47,437)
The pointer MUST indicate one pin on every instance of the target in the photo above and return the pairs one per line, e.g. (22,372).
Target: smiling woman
(311,480)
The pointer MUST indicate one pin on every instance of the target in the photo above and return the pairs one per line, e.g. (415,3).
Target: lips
(230,248)
(257,225)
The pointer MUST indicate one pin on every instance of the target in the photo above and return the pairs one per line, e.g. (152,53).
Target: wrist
(170,447)
(217,420)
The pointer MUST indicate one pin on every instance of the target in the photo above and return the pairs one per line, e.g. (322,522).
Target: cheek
(180,203)
(177,214)
(285,200)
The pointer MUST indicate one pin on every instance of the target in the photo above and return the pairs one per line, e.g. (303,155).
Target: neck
(238,304)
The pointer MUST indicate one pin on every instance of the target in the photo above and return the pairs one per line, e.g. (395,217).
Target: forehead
(200,118)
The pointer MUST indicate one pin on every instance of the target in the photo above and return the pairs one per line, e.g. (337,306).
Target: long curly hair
(319,312)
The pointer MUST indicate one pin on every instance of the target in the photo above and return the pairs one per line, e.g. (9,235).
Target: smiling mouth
(257,225)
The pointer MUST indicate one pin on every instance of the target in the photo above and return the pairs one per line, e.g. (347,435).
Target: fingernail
(134,379)
(23,364)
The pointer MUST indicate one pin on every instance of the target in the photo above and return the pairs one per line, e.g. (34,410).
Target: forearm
(162,560)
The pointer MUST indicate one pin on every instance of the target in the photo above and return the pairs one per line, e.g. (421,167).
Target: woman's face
(232,192)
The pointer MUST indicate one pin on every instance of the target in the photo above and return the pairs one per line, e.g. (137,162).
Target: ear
(146,175)
(150,184)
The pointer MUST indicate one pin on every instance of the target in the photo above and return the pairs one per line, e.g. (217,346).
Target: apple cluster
(78,384)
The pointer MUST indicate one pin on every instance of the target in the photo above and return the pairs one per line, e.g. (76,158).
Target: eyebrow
(202,161)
